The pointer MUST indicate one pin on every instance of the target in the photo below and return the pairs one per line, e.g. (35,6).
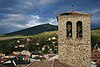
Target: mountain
(34,30)
(96,28)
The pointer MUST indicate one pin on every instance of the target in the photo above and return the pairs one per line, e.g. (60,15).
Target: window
(69,29)
(79,29)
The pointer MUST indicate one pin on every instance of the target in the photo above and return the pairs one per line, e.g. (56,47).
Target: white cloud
(45,2)
(52,21)
(95,19)
(95,11)
(14,18)
(33,4)
(36,20)
(21,21)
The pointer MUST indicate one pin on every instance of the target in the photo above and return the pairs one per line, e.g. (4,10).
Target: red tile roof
(95,55)
(54,63)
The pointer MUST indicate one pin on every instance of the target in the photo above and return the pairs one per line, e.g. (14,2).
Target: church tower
(74,39)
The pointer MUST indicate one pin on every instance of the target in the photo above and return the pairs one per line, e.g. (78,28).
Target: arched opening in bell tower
(79,29)
(69,29)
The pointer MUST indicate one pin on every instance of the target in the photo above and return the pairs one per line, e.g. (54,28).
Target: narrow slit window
(79,29)
(69,29)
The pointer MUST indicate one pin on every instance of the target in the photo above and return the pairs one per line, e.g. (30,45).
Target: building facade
(74,39)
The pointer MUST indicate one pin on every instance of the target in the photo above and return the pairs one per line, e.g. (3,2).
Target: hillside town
(49,33)
(40,52)
(21,56)
(37,58)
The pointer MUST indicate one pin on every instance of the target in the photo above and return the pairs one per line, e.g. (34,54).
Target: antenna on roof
(73,8)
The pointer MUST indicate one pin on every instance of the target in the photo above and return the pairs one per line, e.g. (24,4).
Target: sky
(20,14)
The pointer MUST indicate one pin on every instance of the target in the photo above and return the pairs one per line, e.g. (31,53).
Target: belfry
(74,39)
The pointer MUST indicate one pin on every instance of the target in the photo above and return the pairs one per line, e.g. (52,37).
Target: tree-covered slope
(95,37)
(34,30)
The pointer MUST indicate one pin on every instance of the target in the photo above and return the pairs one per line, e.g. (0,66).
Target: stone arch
(69,29)
(79,29)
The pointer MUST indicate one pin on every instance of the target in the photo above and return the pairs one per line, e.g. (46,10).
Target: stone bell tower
(74,39)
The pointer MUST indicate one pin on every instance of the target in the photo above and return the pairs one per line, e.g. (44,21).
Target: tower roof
(73,13)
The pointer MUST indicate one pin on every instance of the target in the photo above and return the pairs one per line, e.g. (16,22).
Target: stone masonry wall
(74,51)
